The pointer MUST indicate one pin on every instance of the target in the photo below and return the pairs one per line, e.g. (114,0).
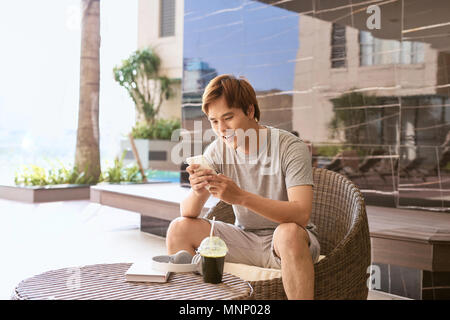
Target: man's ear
(251,111)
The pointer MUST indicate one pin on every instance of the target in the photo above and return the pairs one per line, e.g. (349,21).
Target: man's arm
(193,204)
(297,209)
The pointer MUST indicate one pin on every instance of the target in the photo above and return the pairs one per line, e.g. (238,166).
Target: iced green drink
(213,251)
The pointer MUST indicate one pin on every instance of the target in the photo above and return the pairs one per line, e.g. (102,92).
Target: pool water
(168,176)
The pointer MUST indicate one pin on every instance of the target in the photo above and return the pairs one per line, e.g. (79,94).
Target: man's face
(225,121)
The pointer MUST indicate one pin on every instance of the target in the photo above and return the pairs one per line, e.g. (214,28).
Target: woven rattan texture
(339,213)
(107,282)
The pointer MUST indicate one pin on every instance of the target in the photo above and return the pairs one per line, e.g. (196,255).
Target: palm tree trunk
(87,155)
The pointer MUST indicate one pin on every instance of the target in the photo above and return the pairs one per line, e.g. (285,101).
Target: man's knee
(186,233)
(181,226)
(187,229)
(290,238)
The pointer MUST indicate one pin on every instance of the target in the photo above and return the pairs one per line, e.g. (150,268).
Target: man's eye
(229,118)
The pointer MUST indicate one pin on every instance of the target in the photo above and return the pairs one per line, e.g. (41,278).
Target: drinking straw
(212,226)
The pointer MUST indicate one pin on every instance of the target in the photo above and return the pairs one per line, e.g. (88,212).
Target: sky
(241,37)
(40,63)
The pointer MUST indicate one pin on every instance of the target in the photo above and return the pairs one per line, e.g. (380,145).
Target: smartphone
(204,164)
(201,160)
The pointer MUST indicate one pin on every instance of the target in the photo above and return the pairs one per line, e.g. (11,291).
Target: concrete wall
(169,49)
(316,81)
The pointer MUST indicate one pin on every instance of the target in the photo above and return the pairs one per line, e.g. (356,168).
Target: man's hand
(198,179)
(225,189)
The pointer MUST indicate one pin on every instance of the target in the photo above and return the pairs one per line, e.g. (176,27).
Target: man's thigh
(243,246)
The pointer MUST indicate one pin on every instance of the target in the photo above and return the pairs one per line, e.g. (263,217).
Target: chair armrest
(222,211)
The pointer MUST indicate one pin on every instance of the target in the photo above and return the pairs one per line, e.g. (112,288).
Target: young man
(266,175)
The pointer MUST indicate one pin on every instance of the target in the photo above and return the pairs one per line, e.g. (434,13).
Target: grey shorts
(249,248)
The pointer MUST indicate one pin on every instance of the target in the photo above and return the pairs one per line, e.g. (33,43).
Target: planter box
(154,154)
(35,194)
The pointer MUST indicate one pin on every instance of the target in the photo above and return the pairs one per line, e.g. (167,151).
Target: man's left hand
(225,189)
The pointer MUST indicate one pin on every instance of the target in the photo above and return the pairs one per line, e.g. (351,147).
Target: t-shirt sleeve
(297,165)
(211,155)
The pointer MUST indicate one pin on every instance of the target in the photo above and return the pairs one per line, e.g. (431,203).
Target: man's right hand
(198,179)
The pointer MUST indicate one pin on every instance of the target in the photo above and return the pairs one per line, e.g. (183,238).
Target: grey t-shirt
(283,161)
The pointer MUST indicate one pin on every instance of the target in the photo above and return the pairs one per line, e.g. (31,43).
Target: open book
(143,272)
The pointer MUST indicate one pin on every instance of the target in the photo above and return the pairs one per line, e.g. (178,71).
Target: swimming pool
(168,176)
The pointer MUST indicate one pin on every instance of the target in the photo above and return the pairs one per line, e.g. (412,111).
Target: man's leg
(297,270)
(186,234)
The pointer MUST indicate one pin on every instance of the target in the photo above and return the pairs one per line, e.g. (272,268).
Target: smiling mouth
(229,137)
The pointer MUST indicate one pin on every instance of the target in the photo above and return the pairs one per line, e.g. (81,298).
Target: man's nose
(223,128)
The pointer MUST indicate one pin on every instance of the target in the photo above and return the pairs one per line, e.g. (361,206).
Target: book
(143,272)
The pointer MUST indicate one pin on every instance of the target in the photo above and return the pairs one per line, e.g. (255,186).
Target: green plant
(349,114)
(30,176)
(332,150)
(329,151)
(352,117)
(447,167)
(120,173)
(34,175)
(161,129)
(139,75)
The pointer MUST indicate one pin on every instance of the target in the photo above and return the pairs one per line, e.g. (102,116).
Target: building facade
(160,26)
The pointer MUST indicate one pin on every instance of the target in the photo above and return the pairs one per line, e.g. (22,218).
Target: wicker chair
(339,213)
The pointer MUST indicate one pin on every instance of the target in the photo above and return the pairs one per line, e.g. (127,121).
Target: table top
(107,282)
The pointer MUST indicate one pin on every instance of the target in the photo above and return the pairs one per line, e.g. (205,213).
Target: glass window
(386,51)
(374,51)
(417,52)
(366,47)
(167,18)
(338,46)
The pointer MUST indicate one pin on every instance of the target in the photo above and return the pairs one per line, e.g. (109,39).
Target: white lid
(213,247)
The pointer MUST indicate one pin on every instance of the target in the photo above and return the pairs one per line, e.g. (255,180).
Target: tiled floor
(39,237)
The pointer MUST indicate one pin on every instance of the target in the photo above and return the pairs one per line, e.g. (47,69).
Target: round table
(107,282)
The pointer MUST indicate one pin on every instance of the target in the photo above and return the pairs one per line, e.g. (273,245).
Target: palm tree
(87,155)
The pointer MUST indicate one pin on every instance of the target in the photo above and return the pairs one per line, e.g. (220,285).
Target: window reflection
(374,104)
(338,47)
(376,51)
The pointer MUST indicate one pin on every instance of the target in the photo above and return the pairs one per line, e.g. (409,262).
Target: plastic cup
(212,251)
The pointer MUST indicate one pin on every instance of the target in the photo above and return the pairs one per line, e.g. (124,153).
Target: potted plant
(139,75)
(59,182)
(40,184)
